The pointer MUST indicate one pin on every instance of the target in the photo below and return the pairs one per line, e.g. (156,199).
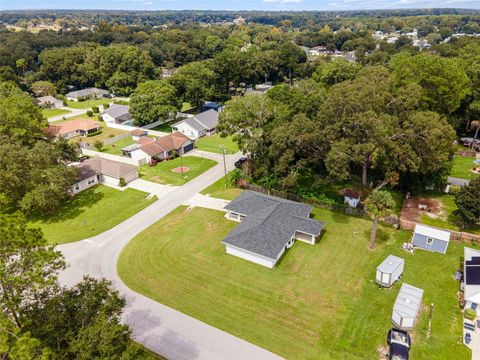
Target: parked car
(240,162)
(399,344)
(83,158)
(108,96)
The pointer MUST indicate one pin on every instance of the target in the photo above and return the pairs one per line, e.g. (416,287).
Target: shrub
(89,113)
(81,98)
(470,314)
(111,136)
(122,182)
(98,144)
(95,109)
(106,106)
(94,133)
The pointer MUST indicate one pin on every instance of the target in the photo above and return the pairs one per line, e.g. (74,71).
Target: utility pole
(472,145)
(181,162)
(224,163)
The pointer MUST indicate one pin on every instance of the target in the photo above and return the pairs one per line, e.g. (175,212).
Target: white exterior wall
(108,118)
(257,259)
(85,184)
(110,180)
(187,130)
(122,159)
(304,237)
(140,156)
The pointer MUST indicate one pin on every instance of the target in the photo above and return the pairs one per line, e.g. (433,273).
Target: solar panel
(474,261)
(472,276)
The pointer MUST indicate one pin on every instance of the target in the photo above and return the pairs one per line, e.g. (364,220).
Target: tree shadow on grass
(73,207)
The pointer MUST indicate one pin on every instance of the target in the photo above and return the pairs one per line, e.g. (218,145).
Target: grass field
(165,127)
(320,302)
(213,143)
(116,148)
(218,190)
(447,219)
(91,212)
(87,104)
(48,113)
(462,167)
(162,172)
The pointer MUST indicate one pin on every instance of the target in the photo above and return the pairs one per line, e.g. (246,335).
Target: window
(91,181)
(429,241)
(77,186)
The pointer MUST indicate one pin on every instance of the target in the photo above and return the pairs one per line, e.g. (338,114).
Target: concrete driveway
(158,327)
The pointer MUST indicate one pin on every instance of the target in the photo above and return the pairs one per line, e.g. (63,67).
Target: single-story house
(351,197)
(432,239)
(268,227)
(199,125)
(100,170)
(117,114)
(471,277)
(49,102)
(389,271)
(162,148)
(89,93)
(73,128)
(137,134)
(406,307)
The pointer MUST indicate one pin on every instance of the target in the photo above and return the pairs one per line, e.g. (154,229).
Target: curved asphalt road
(162,329)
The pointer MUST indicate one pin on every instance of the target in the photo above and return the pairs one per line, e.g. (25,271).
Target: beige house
(102,171)
(73,128)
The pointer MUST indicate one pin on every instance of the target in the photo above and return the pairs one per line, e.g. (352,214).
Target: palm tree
(377,205)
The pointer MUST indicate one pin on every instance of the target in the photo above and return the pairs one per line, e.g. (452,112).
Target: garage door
(187,148)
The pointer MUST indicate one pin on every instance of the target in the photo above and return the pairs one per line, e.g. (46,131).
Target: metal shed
(432,239)
(406,307)
(389,271)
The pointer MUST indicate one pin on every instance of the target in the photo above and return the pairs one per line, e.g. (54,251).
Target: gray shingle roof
(408,301)
(270,224)
(118,112)
(86,92)
(209,119)
(192,122)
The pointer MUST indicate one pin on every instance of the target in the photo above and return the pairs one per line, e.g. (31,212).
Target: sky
(237,4)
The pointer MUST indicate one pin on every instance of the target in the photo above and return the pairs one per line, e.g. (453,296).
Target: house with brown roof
(162,148)
(73,128)
(102,171)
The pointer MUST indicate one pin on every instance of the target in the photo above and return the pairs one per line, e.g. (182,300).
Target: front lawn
(462,167)
(213,144)
(87,104)
(320,302)
(116,147)
(48,113)
(162,173)
(90,213)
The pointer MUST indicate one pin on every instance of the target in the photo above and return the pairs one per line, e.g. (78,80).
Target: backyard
(87,104)
(320,302)
(107,132)
(116,147)
(90,213)
(168,171)
(48,113)
(462,167)
(213,144)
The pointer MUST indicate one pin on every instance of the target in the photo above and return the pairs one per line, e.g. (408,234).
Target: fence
(454,235)
(131,128)
(113,139)
(122,159)
(294,197)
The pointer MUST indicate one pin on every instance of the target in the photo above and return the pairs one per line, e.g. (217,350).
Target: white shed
(406,307)
(389,271)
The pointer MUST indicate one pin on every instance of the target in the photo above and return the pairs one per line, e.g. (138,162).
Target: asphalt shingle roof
(118,112)
(86,92)
(270,223)
(206,120)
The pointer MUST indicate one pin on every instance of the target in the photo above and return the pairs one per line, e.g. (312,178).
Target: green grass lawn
(48,113)
(116,147)
(162,172)
(462,167)
(165,127)
(320,302)
(213,143)
(186,106)
(90,213)
(87,103)
(219,190)
(447,219)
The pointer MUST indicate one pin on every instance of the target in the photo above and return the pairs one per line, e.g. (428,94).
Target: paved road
(73,112)
(158,327)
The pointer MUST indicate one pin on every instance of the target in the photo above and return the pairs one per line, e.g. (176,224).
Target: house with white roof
(199,125)
(429,238)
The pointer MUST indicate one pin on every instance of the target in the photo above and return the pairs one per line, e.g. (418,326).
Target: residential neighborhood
(283,182)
